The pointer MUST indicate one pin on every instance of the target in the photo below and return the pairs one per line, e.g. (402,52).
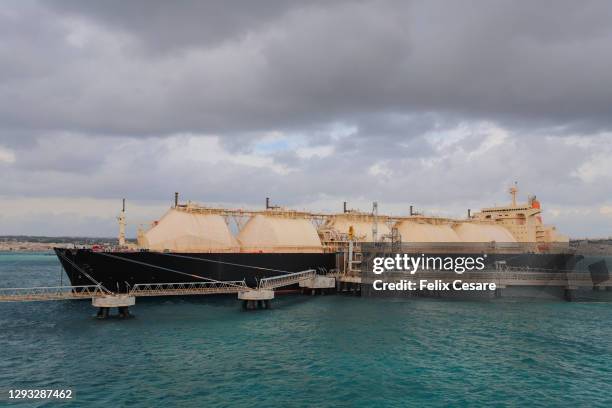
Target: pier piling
(103,312)
(124,311)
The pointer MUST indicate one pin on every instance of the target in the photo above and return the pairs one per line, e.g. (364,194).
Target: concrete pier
(121,302)
(318,285)
(318,282)
(256,299)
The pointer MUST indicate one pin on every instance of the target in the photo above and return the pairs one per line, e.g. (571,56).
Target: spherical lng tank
(184,231)
(421,231)
(474,232)
(279,234)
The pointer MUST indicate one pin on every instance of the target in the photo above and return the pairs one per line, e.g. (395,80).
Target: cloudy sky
(438,104)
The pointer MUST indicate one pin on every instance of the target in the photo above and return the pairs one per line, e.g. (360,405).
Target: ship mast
(122,224)
(513,191)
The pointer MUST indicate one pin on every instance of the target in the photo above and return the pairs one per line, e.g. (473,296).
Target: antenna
(513,190)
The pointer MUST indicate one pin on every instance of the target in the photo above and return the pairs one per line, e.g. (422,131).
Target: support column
(124,311)
(103,312)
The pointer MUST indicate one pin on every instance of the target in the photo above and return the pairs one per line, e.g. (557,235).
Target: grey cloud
(152,169)
(167,26)
(439,177)
(99,99)
(302,65)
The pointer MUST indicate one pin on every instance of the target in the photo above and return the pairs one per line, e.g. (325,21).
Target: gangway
(286,280)
(52,293)
(189,288)
(261,296)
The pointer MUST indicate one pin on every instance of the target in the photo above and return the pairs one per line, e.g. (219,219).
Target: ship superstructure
(523,221)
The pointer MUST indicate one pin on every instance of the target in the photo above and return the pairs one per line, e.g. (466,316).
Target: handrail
(52,293)
(285,280)
(188,288)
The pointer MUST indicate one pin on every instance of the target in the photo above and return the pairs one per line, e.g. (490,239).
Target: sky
(438,104)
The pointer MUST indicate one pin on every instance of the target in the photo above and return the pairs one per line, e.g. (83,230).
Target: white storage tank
(422,231)
(473,232)
(184,231)
(279,234)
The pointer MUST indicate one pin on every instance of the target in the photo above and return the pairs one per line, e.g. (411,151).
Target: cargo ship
(192,243)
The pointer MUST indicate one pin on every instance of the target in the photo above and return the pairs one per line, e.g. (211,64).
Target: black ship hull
(117,271)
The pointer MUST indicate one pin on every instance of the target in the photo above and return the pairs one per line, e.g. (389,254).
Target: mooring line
(78,268)
(163,268)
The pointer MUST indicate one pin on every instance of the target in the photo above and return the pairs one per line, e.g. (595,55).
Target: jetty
(252,297)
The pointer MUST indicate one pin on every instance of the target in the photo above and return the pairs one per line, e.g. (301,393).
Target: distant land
(28,243)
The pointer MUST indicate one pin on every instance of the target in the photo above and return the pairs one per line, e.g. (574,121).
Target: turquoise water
(307,351)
